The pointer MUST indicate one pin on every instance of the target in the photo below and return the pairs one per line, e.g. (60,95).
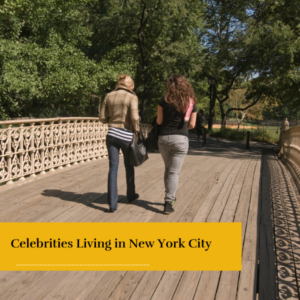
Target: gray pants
(173,149)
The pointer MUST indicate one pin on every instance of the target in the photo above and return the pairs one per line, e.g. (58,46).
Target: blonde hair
(125,81)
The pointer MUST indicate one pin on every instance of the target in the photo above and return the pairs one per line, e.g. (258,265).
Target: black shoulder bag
(137,152)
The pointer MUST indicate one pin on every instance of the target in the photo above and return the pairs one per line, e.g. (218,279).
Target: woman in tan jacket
(120,111)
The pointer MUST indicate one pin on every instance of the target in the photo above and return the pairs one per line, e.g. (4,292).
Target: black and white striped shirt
(120,133)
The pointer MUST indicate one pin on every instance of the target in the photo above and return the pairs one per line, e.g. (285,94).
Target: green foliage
(56,56)
(44,71)
(170,41)
(257,135)
(38,81)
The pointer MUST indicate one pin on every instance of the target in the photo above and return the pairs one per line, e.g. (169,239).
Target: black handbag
(137,151)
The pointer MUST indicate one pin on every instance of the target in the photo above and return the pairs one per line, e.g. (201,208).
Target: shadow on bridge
(95,200)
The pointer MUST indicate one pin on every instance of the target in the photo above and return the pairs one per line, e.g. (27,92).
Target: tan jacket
(120,110)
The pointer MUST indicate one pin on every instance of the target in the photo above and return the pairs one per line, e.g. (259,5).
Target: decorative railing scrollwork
(289,145)
(33,146)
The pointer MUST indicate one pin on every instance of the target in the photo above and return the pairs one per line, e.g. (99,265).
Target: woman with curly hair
(176,113)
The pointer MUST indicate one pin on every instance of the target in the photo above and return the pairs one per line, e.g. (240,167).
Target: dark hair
(201,111)
(179,92)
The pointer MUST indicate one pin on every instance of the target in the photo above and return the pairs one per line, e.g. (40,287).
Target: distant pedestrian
(176,113)
(120,111)
(201,130)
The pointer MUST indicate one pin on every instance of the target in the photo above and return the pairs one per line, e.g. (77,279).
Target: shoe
(109,210)
(172,202)
(135,197)
(168,208)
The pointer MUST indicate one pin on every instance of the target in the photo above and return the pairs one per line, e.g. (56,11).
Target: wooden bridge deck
(219,183)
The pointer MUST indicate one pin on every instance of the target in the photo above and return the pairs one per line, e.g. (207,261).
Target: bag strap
(189,110)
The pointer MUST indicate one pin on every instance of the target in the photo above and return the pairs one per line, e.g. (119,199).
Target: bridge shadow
(96,200)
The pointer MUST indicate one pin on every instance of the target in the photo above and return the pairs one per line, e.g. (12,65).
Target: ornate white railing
(33,146)
(289,146)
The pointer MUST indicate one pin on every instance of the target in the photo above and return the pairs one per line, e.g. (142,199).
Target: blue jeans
(173,149)
(113,147)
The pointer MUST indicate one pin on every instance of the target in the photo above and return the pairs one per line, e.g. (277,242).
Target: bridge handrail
(289,145)
(34,146)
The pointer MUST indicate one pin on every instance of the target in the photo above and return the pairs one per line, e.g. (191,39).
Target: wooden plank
(208,285)
(134,216)
(220,203)
(189,174)
(190,193)
(76,285)
(231,205)
(209,201)
(105,287)
(228,285)
(167,285)
(36,211)
(187,285)
(247,287)
(241,214)
(128,284)
(29,205)
(8,279)
(22,285)
(35,187)
(250,248)
(40,205)
(43,286)
(147,285)
(215,216)
(202,189)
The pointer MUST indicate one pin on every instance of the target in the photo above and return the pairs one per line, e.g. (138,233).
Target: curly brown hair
(179,92)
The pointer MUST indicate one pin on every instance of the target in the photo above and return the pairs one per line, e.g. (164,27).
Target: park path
(222,182)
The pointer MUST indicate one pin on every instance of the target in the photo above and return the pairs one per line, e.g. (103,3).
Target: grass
(258,135)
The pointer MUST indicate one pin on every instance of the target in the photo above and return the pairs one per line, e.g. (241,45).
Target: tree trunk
(143,22)
(145,16)
(223,114)
(212,107)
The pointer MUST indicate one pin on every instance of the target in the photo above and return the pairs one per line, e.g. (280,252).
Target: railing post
(248,140)
(31,149)
(81,141)
(51,146)
(88,142)
(21,144)
(9,154)
(68,143)
(42,147)
(94,140)
(286,124)
(59,144)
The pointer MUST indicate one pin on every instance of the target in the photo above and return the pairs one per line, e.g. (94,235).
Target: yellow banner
(121,246)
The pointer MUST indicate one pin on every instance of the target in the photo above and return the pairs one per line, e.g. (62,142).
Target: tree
(240,106)
(163,38)
(43,72)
